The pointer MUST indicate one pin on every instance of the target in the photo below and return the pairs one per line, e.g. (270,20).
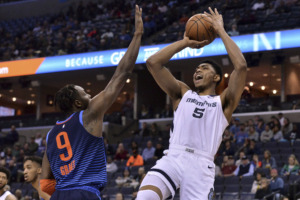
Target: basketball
(199,27)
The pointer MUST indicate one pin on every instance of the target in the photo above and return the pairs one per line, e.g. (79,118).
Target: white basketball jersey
(4,195)
(199,122)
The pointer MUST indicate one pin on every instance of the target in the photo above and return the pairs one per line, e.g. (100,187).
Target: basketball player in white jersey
(200,118)
(4,177)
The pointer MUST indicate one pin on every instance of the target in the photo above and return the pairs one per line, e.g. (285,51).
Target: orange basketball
(199,27)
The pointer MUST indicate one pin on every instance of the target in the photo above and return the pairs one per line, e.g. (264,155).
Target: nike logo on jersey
(209,167)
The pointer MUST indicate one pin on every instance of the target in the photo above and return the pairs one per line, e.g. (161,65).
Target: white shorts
(191,170)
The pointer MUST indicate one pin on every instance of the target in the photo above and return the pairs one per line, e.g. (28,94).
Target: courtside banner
(247,43)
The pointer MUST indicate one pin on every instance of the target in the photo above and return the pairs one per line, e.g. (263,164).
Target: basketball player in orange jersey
(200,118)
(75,154)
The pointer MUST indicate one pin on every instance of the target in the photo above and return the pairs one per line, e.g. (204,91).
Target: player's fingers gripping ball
(199,27)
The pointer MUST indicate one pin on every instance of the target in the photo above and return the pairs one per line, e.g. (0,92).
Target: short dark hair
(216,67)
(65,98)
(35,159)
(5,171)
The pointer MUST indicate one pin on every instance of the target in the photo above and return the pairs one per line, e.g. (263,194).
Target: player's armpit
(48,185)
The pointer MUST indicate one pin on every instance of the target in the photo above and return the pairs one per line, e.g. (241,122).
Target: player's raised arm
(232,94)
(47,182)
(162,75)
(103,100)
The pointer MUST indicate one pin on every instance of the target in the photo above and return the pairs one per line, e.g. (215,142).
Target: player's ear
(39,170)
(78,103)
(217,78)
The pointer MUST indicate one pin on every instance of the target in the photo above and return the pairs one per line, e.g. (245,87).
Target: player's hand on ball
(194,43)
(217,19)
(139,28)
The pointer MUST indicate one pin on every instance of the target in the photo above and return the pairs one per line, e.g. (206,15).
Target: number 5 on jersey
(66,145)
(198,112)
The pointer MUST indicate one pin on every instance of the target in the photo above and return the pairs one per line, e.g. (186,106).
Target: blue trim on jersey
(61,122)
(87,188)
(80,117)
(47,136)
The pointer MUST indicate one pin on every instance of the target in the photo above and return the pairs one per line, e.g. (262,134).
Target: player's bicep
(167,82)
(232,94)
(11,197)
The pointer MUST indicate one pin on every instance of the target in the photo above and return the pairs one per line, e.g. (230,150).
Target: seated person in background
(291,168)
(227,136)
(119,196)
(135,159)
(250,147)
(121,153)
(255,161)
(159,151)
(139,177)
(245,168)
(111,166)
(263,190)
(277,134)
(149,151)
(239,161)
(257,182)
(266,135)
(228,166)
(125,180)
(253,134)
(268,161)
(241,135)
(228,149)
(276,183)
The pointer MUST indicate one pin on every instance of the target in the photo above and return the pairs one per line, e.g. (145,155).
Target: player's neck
(206,91)
(1,192)
(36,183)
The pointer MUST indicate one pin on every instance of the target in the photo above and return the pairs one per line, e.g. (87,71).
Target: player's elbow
(151,63)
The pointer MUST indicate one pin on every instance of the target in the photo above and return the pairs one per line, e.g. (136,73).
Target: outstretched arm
(47,181)
(101,102)
(232,94)
(162,75)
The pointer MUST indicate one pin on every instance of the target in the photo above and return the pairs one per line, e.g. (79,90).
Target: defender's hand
(139,27)
(194,43)
(217,19)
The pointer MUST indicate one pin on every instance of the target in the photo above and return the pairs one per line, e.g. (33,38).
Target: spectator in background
(162,8)
(228,149)
(145,112)
(235,126)
(256,162)
(11,137)
(125,180)
(32,146)
(260,127)
(38,139)
(253,134)
(287,126)
(149,151)
(291,168)
(257,182)
(259,4)
(239,161)
(228,166)
(127,107)
(111,166)
(144,130)
(167,111)
(18,194)
(159,151)
(276,183)
(121,153)
(274,121)
(154,130)
(42,148)
(277,134)
(264,190)
(251,148)
(139,177)
(281,118)
(266,135)
(293,135)
(12,167)
(233,31)
(135,159)
(227,136)
(268,161)
(241,135)
(245,168)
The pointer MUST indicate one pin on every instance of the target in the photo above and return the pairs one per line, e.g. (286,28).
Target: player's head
(4,177)
(32,168)
(71,98)
(206,74)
